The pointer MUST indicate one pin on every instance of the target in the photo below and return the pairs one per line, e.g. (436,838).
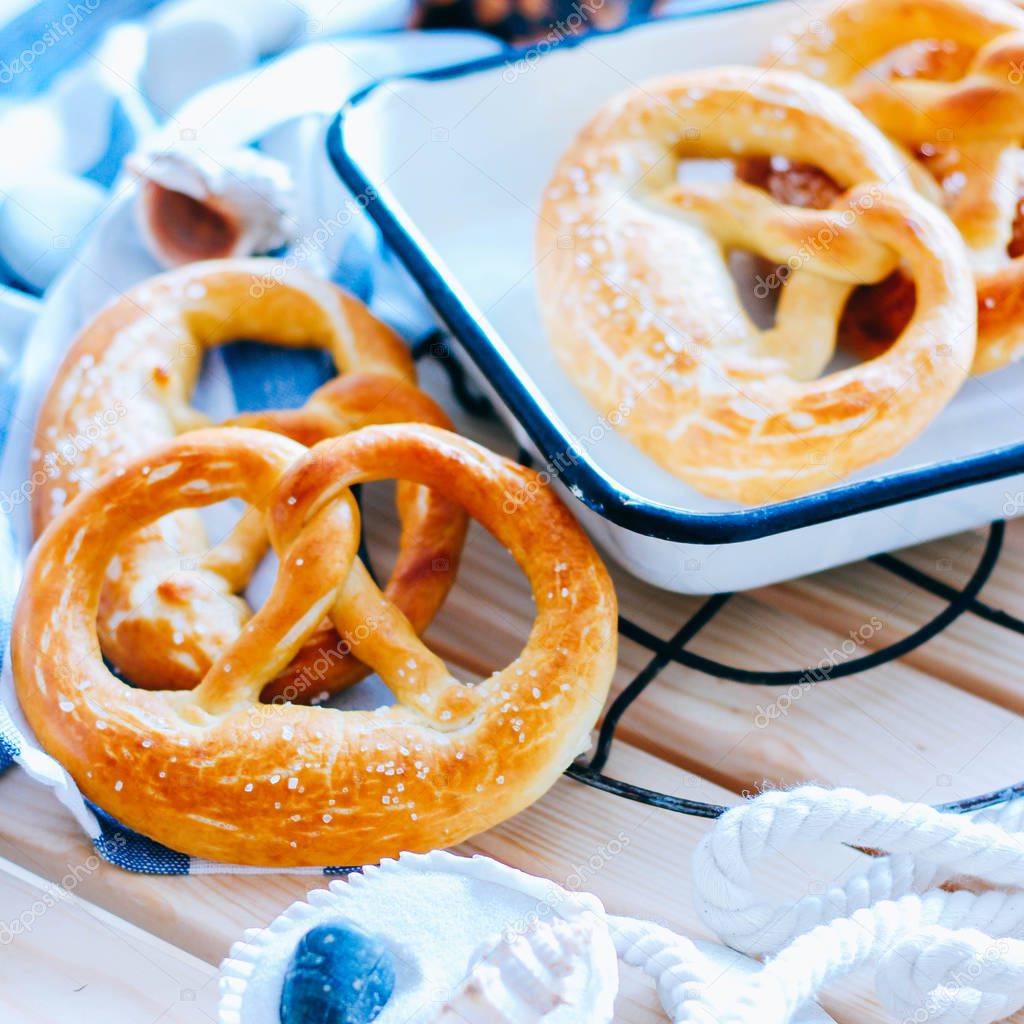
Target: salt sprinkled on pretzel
(643,313)
(215,773)
(171,603)
(945,79)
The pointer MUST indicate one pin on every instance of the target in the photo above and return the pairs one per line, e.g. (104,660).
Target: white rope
(936,847)
(940,957)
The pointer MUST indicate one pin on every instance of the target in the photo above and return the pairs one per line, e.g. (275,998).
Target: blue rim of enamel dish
(598,490)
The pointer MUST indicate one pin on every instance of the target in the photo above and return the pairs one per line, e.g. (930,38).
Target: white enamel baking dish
(454,163)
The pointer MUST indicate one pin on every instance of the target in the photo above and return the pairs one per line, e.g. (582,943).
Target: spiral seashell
(193,205)
(525,978)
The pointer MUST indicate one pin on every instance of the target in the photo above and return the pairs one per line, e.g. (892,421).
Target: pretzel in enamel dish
(215,773)
(643,313)
(945,80)
(171,604)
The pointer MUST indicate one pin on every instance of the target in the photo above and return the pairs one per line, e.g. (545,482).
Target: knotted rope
(939,956)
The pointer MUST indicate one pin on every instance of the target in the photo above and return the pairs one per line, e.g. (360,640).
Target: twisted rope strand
(939,957)
(937,846)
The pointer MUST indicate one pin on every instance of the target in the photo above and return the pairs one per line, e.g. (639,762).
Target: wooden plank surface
(66,961)
(941,723)
(565,836)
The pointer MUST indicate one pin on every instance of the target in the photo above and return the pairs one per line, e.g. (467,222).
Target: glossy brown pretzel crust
(172,603)
(215,773)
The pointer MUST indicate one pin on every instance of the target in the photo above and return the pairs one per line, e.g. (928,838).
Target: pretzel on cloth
(945,80)
(215,773)
(171,603)
(639,303)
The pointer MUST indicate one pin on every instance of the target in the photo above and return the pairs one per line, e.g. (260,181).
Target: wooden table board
(940,724)
(72,961)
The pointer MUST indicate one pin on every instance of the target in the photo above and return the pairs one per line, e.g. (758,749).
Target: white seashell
(273,24)
(43,221)
(32,141)
(524,978)
(192,205)
(435,912)
(193,43)
(66,129)
(83,101)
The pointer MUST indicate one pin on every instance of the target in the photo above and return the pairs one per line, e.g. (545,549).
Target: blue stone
(337,975)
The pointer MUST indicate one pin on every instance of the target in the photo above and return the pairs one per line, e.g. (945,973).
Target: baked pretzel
(945,80)
(643,313)
(171,603)
(215,773)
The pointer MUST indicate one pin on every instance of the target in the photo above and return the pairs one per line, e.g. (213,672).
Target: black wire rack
(676,649)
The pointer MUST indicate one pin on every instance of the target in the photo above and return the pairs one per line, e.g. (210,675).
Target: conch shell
(527,977)
(193,205)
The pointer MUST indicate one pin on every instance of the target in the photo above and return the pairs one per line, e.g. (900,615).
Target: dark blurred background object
(526,21)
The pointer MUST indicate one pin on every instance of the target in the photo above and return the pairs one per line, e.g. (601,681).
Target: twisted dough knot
(642,310)
(433,528)
(215,773)
(944,78)
(171,604)
(872,51)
